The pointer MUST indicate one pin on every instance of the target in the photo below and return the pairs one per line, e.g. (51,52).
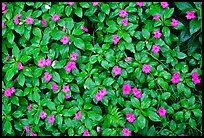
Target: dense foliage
(101,68)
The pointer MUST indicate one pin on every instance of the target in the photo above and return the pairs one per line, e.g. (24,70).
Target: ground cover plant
(101,68)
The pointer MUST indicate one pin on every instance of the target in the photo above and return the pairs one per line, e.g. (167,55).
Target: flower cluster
(9,91)
(42,62)
(175,78)
(195,78)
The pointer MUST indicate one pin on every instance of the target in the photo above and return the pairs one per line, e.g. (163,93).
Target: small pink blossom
(16,19)
(126,132)
(130,117)
(137,93)
(43,115)
(196,80)
(27,128)
(20,66)
(29,106)
(33,134)
(78,115)
(115,39)
(65,39)
(74,56)
(146,68)
(95,3)
(98,128)
(55,17)
(128,59)
(43,22)
(200,3)
(41,62)
(181,135)
(86,133)
(48,62)
(7,92)
(51,119)
(67,97)
(140,4)
(29,20)
(190,15)
(54,86)
(164,4)
(194,75)
(70,66)
(174,22)
(157,34)
(66,88)
(124,22)
(175,78)
(47,76)
(155,48)
(126,88)
(70,3)
(98,96)
(161,111)
(7,58)
(123,13)
(156,17)
(64,28)
(12,89)
(3,24)
(116,70)
(3,7)
(84,28)
(103,92)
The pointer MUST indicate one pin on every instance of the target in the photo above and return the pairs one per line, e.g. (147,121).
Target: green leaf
(89,83)
(154,116)
(183,5)
(197,113)
(140,45)
(105,46)
(181,55)
(152,131)
(15,100)
(36,96)
(180,87)
(74,88)
(105,64)
(127,37)
(51,105)
(68,10)
(195,25)
(166,95)
(93,59)
(25,58)
(79,12)
(61,97)
(9,74)
(37,32)
(168,13)
(88,123)
(172,125)
(146,103)
(36,13)
(60,64)
(57,34)
(163,84)
(165,132)
(108,81)
(166,31)
(105,8)
(21,79)
(141,121)
(38,72)
(56,77)
(145,33)
(135,102)
(79,43)
(15,51)
(69,23)
(7,127)
(192,123)
(178,115)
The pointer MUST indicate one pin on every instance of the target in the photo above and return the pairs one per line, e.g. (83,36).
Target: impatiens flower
(65,88)
(156,17)
(65,39)
(124,22)
(128,59)
(84,28)
(7,92)
(43,22)
(194,75)
(51,119)
(78,115)
(126,88)
(74,56)
(48,62)
(98,96)
(195,78)
(86,133)
(115,39)
(7,58)
(47,76)
(161,111)
(98,128)
(20,66)
(190,15)
(27,128)
(123,13)
(29,106)
(130,117)
(140,4)
(164,4)
(41,62)
(70,3)
(174,22)
(126,132)
(146,68)
(137,93)
(181,135)
(70,66)
(155,48)
(3,7)
(55,17)
(29,20)
(103,92)
(12,89)
(175,78)
(95,3)
(67,97)
(157,34)
(16,19)
(3,24)
(33,134)
(116,70)
(54,86)
(43,115)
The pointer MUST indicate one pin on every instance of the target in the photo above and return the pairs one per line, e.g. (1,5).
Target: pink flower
(175,78)
(43,22)
(70,66)
(78,115)
(116,70)
(123,13)
(126,88)
(128,59)
(181,135)
(48,62)
(137,93)
(47,76)
(196,80)
(130,117)
(65,39)
(190,15)
(156,17)
(64,28)
(164,4)
(86,133)
(43,115)
(124,22)
(16,19)
(29,106)
(29,20)
(12,89)
(70,3)
(174,22)
(146,68)
(155,48)
(65,88)
(194,75)
(20,66)
(51,119)
(7,58)
(98,128)
(200,3)
(33,134)
(126,132)
(7,92)
(161,111)
(95,3)
(67,97)
(115,39)
(55,17)
(103,92)
(140,4)
(27,128)
(84,28)
(74,56)
(3,24)
(3,7)
(54,86)
(41,62)
(157,34)
(98,96)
